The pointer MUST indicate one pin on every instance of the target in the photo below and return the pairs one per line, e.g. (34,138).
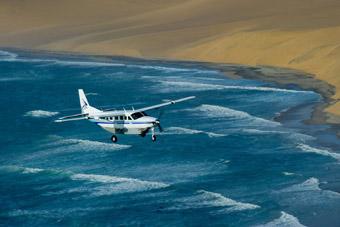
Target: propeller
(160,128)
(158,123)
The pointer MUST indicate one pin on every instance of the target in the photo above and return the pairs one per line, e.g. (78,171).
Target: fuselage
(126,123)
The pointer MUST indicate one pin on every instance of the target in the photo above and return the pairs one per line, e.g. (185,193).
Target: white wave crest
(25,170)
(5,55)
(192,86)
(40,114)
(86,63)
(31,170)
(285,220)
(311,184)
(290,134)
(288,173)
(225,112)
(169,69)
(204,199)
(181,131)
(309,149)
(84,145)
(6,79)
(104,184)
(117,185)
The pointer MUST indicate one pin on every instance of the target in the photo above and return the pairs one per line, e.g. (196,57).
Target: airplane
(133,122)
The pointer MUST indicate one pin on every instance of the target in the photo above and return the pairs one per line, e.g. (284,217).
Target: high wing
(84,116)
(114,113)
(154,107)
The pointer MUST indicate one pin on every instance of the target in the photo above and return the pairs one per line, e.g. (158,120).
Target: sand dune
(302,34)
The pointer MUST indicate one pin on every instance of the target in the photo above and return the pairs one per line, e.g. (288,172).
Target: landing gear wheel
(114,139)
(153,138)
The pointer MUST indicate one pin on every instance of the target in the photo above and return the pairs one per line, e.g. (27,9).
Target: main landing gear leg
(114,139)
(153,136)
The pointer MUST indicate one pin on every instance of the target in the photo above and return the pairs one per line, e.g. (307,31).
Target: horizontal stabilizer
(71,119)
(74,117)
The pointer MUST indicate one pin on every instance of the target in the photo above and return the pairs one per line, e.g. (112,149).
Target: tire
(114,139)
(153,138)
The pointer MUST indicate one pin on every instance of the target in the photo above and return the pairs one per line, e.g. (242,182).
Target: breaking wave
(5,55)
(192,86)
(102,184)
(290,134)
(181,131)
(225,112)
(5,79)
(324,152)
(285,220)
(84,145)
(311,184)
(204,199)
(40,114)
(117,185)
(169,69)
(86,63)
(32,170)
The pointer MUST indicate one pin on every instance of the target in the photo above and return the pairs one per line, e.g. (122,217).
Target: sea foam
(225,112)
(181,131)
(5,55)
(83,145)
(203,199)
(324,152)
(285,220)
(192,86)
(40,114)
(117,185)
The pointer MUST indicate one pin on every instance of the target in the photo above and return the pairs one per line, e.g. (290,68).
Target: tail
(84,104)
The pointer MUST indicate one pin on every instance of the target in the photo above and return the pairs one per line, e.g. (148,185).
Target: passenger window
(125,118)
(121,118)
(116,118)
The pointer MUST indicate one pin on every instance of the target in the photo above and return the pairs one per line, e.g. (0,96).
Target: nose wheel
(153,136)
(114,139)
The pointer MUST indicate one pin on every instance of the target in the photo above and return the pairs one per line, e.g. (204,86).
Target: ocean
(222,160)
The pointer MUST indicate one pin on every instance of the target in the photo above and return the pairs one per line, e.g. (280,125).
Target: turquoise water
(221,160)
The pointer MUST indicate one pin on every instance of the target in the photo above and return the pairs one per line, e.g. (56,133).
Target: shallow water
(222,159)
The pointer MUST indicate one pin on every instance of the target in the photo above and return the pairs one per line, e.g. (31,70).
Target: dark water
(222,160)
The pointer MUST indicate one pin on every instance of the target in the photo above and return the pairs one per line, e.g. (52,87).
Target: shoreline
(283,77)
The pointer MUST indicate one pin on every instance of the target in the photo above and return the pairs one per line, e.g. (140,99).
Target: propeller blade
(160,127)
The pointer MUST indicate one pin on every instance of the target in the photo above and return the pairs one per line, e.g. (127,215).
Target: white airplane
(135,122)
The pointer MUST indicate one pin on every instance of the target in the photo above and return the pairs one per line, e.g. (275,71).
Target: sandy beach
(300,35)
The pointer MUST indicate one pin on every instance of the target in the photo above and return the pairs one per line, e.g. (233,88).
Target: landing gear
(114,139)
(153,136)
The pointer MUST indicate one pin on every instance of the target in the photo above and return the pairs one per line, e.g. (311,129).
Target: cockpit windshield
(138,115)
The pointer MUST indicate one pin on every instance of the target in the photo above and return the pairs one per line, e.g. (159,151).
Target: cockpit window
(137,115)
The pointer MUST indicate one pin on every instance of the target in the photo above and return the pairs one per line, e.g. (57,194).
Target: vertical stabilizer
(84,104)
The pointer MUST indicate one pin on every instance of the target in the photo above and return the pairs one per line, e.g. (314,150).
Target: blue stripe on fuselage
(122,123)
